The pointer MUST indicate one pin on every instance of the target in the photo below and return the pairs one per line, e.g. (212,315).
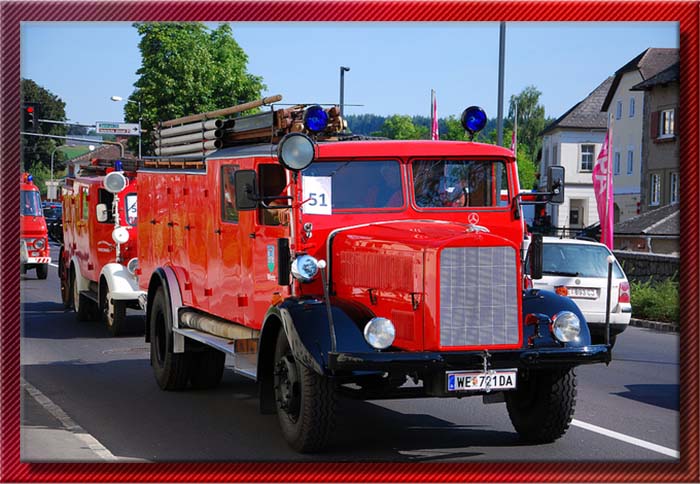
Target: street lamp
(343,70)
(118,99)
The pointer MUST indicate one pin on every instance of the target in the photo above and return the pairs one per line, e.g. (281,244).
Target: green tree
(401,126)
(38,149)
(187,69)
(531,120)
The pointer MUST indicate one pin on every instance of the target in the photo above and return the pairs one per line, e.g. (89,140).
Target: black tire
(114,315)
(83,306)
(42,271)
(172,370)
(542,407)
(65,281)
(207,369)
(305,401)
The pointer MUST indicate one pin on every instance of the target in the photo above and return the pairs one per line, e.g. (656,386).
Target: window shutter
(654,125)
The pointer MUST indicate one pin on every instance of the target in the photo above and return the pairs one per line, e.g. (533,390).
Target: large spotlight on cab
(295,151)
(115,182)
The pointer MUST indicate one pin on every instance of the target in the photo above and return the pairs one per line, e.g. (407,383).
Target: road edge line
(626,438)
(68,423)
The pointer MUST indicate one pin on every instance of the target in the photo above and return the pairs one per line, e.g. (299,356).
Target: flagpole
(609,198)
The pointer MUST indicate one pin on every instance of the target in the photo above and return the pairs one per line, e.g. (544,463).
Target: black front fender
(549,303)
(305,322)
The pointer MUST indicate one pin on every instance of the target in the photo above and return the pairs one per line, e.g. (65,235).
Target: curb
(656,325)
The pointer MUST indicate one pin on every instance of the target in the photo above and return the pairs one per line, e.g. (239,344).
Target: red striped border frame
(12,13)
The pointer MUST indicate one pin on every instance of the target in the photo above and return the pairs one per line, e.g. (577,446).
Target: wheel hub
(287,386)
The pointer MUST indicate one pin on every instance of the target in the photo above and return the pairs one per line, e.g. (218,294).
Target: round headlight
(380,333)
(39,243)
(295,151)
(305,268)
(120,235)
(566,326)
(115,182)
(132,265)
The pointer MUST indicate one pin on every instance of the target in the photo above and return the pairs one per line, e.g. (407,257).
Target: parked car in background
(53,213)
(579,269)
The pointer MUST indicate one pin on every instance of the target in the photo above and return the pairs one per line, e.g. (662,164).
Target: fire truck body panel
(34,244)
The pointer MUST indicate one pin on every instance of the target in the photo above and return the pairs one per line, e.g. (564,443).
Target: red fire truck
(34,241)
(97,261)
(325,263)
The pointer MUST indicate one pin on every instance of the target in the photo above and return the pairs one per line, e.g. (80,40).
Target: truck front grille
(478,296)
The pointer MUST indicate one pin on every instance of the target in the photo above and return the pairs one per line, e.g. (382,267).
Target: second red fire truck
(34,240)
(97,261)
(324,263)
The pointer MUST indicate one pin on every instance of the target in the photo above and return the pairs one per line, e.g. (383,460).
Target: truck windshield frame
(31,203)
(453,184)
(360,184)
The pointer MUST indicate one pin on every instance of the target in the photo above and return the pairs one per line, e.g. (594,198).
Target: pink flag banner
(514,139)
(603,188)
(434,135)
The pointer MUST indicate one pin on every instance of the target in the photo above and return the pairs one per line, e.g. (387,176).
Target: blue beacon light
(315,118)
(118,166)
(473,119)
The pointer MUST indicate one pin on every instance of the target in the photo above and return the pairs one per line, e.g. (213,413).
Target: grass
(656,300)
(74,151)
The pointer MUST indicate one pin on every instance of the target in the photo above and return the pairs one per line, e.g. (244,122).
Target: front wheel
(542,407)
(42,271)
(305,401)
(113,312)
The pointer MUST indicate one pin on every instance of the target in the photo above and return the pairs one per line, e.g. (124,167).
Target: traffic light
(30,117)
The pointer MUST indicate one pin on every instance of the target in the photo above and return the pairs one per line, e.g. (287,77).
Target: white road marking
(626,438)
(68,423)
(53,265)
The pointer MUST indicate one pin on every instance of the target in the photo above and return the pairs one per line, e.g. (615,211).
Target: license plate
(479,381)
(587,292)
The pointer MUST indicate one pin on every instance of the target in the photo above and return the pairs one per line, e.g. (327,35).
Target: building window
(631,107)
(630,162)
(667,127)
(574,217)
(674,188)
(554,155)
(587,155)
(655,190)
(616,163)
(618,110)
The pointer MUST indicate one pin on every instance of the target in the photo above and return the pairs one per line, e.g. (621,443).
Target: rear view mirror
(101,212)
(534,256)
(555,184)
(246,196)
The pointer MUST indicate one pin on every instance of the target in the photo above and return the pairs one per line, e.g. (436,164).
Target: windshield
(460,183)
(577,260)
(30,203)
(352,184)
(131,209)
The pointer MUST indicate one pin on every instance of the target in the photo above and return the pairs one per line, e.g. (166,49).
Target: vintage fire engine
(326,263)
(97,261)
(34,241)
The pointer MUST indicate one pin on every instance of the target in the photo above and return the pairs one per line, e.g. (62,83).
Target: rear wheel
(65,281)
(542,407)
(42,271)
(84,307)
(113,312)
(172,370)
(305,401)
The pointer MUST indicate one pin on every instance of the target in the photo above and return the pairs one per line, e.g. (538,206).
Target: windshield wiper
(561,273)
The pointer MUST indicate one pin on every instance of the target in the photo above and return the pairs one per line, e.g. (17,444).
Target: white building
(626,108)
(574,142)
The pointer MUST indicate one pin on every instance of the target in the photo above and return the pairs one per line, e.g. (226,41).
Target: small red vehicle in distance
(34,241)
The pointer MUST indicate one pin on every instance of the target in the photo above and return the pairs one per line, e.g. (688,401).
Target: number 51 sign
(317,192)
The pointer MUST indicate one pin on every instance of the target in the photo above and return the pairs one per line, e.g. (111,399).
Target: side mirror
(555,184)
(102,212)
(246,196)
(534,256)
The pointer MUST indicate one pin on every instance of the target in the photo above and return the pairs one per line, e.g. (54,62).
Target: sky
(393,65)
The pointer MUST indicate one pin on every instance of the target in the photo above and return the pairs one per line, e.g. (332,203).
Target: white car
(579,269)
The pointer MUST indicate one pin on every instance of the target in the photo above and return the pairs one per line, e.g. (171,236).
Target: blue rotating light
(118,166)
(29,178)
(474,119)
(315,119)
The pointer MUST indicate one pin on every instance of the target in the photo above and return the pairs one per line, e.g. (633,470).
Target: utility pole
(343,70)
(501,64)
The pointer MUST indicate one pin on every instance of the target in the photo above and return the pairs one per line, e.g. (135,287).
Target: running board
(244,351)
(92,295)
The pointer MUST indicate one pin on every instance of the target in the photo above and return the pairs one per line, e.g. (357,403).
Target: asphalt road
(89,397)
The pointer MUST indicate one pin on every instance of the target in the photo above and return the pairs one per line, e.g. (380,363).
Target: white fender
(83,282)
(121,284)
(175,305)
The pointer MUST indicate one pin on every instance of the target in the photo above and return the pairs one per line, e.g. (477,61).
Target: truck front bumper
(471,360)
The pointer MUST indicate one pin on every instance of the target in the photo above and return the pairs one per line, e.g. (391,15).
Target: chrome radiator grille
(478,296)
